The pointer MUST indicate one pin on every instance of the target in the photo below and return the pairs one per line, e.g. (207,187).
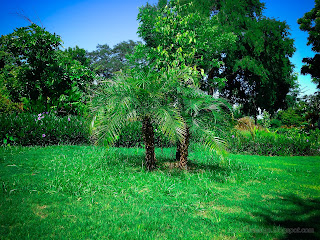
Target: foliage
(311,106)
(7,106)
(290,142)
(161,86)
(105,61)
(139,94)
(27,129)
(290,117)
(174,34)
(84,192)
(257,67)
(34,71)
(304,113)
(310,23)
(258,70)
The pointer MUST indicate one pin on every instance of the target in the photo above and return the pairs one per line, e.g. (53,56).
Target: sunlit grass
(86,192)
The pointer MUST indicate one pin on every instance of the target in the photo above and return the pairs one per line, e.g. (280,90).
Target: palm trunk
(182,150)
(148,137)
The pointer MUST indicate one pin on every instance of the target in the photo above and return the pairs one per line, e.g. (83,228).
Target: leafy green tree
(78,54)
(257,67)
(161,87)
(35,71)
(311,24)
(106,61)
(173,36)
(74,77)
(291,117)
(188,36)
(26,54)
(258,70)
(311,108)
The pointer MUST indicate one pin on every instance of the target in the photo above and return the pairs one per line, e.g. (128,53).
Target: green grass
(86,192)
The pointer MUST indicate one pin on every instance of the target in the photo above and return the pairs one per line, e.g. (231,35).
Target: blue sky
(87,23)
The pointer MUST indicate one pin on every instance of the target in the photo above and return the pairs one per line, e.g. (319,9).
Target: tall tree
(257,68)
(161,86)
(33,68)
(106,60)
(311,24)
(259,72)
(190,41)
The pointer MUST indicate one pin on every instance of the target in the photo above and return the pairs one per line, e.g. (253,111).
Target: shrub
(280,143)
(43,129)
(7,106)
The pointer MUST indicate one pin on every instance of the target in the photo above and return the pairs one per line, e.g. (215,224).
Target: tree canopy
(256,67)
(105,60)
(310,23)
(34,70)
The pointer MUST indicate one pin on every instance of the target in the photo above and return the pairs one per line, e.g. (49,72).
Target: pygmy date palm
(138,94)
(204,116)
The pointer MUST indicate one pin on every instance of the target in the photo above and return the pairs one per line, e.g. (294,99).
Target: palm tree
(203,115)
(139,94)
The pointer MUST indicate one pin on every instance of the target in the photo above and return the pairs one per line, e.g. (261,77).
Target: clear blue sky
(87,23)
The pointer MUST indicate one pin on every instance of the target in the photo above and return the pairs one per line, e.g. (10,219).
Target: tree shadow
(296,217)
(168,165)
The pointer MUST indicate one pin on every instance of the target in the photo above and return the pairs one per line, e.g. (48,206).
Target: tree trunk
(148,137)
(182,150)
(210,77)
(178,152)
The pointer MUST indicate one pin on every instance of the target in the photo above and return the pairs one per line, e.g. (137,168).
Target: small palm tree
(203,115)
(139,94)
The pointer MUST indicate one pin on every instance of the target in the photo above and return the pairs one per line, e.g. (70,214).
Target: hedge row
(27,129)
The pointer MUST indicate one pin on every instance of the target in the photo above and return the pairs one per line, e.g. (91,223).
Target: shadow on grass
(295,217)
(167,164)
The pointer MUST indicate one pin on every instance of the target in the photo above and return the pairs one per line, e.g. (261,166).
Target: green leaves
(179,33)
(311,24)
(106,61)
(34,68)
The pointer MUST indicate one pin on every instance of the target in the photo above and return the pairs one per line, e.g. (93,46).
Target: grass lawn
(86,192)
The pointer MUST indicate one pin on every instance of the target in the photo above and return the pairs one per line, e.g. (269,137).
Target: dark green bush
(27,129)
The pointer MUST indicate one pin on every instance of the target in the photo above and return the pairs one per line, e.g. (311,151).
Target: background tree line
(253,70)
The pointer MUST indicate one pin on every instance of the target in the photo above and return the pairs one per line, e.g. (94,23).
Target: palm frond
(171,122)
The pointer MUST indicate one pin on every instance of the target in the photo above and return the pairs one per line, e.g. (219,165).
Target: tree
(34,70)
(190,41)
(257,67)
(258,70)
(311,24)
(161,86)
(138,94)
(106,61)
(311,104)
(175,27)
(259,73)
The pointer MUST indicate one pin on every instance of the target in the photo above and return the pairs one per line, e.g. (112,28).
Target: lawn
(86,192)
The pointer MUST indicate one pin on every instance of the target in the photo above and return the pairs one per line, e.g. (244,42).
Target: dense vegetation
(211,84)
(175,69)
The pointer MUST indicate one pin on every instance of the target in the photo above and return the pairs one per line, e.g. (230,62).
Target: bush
(291,142)
(27,129)
(7,106)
